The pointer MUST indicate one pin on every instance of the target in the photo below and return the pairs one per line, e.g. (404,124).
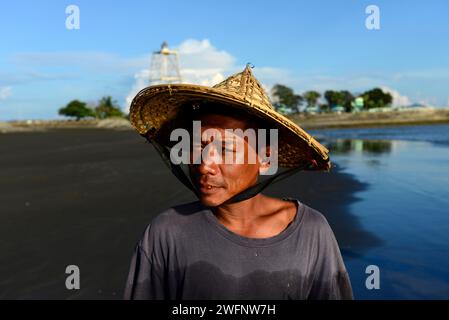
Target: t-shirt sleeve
(331,280)
(146,278)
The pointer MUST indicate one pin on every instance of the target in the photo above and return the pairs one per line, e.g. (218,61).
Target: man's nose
(209,161)
(207,168)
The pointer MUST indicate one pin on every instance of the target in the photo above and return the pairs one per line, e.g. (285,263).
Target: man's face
(218,180)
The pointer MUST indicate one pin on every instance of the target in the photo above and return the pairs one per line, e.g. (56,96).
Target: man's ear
(264,159)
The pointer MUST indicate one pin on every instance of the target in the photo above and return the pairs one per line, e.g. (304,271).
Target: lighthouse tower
(165,66)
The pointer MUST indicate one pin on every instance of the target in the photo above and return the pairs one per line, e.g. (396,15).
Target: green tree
(333,98)
(376,98)
(287,97)
(342,98)
(107,108)
(311,97)
(76,109)
(347,98)
(324,107)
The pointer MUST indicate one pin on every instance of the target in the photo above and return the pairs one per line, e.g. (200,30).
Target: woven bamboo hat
(156,105)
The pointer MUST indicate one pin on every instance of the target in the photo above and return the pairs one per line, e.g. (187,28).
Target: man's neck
(244,211)
(257,217)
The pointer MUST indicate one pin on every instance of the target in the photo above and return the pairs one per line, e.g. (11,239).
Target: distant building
(338,108)
(312,109)
(383,109)
(357,105)
(283,109)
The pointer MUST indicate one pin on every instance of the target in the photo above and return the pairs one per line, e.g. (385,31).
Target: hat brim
(154,106)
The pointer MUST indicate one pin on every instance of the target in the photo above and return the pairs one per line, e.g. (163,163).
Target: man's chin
(213,200)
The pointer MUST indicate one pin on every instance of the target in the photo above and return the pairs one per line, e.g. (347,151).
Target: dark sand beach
(84,197)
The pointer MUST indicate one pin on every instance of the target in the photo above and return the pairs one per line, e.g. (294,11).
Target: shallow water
(406,205)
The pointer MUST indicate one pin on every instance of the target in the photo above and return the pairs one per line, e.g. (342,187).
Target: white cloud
(141,81)
(398,99)
(5,92)
(203,56)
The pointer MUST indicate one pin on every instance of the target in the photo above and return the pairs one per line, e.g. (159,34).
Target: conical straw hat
(155,105)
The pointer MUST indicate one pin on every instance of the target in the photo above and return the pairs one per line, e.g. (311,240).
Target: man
(234,243)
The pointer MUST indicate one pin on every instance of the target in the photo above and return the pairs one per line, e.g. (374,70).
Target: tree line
(286,97)
(105,108)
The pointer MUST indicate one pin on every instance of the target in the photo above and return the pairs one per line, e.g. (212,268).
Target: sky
(319,45)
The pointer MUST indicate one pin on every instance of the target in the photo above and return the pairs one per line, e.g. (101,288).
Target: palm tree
(311,97)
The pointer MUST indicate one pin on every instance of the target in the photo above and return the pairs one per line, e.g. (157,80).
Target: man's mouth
(206,188)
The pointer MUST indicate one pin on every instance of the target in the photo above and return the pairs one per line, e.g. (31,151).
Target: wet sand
(84,197)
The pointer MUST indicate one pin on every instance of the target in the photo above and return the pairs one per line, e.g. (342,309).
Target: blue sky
(307,45)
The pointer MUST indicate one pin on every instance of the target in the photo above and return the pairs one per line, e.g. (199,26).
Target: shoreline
(366,119)
(373,124)
(306,121)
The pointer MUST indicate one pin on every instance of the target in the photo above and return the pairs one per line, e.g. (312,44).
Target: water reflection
(342,146)
(405,206)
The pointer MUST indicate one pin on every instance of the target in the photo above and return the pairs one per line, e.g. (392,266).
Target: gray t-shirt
(186,253)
